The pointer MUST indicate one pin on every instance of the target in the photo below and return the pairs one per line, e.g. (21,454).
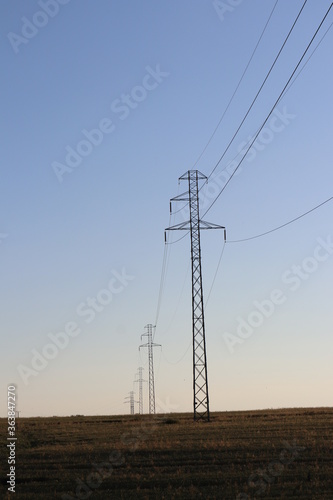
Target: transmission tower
(140,380)
(194,225)
(131,401)
(150,346)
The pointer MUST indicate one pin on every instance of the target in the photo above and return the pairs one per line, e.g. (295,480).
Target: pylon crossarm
(200,175)
(182,226)
(181,197)
(209,225)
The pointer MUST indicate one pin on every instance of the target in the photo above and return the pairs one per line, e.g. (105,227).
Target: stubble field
(267,454)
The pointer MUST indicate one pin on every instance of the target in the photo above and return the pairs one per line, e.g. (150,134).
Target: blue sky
(154,78)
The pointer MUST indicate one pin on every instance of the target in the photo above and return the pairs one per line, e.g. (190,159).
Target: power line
(289,87)
(217,269)
(260,89)
(162,279)
(180,359)
(295,219)
(166,255)
(284,94)
(173,242)
(271,111)
(178,301)
(308,59)
(163,273)
(283,225)
(285,90)
(238,85)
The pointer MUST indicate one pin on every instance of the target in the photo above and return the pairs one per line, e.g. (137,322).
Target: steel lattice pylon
(140,381)
(131,401)
(194,225)
(150,346)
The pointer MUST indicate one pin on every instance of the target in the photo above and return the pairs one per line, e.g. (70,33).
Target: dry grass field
(266,454)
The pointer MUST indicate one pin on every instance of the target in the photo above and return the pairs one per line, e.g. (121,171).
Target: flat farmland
(285,453)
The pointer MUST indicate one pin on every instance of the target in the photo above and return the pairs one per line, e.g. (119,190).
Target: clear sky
(105,104)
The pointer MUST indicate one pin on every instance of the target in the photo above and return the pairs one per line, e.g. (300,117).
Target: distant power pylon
(194,225)
(131,401)
(140,380)
(150,346)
